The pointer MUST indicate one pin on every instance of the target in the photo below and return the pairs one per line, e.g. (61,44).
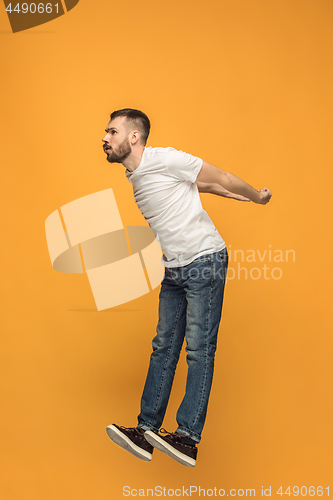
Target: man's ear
(135,137)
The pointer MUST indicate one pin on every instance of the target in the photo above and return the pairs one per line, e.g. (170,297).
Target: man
(166,185)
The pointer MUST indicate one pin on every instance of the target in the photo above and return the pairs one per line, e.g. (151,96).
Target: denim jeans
(190,306)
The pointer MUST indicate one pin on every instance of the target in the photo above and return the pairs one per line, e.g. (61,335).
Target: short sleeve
(182,165)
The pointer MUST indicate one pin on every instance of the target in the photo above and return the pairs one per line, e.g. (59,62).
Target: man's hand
(266,195)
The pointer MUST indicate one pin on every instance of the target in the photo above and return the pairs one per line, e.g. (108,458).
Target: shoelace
(186,440)
(164,431)
(130,429)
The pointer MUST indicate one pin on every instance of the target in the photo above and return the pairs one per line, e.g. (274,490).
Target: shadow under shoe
(175,445)
(132,440)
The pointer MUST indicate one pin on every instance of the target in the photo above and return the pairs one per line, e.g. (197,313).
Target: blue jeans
(190,306)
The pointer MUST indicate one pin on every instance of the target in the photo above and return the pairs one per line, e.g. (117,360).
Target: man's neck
(134,159)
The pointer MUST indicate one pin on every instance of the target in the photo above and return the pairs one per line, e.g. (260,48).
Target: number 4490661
(32,8)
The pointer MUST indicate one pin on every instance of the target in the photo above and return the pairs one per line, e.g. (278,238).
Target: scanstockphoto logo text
(264,264)
(267,264)
(189,491)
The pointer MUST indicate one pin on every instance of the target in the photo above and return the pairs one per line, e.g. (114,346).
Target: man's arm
(203,187)
(209,174)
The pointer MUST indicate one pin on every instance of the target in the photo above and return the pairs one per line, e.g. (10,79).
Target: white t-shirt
(165,192)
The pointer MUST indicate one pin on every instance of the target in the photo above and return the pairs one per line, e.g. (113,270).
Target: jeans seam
(166,362)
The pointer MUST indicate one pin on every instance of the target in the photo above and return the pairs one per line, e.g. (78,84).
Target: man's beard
(124,150)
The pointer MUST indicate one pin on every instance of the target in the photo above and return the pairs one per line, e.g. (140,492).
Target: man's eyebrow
(110,128)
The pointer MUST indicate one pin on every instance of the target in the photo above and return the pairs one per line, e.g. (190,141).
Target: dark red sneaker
(175,445)
(131,439)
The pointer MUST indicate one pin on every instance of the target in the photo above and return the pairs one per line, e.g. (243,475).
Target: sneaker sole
(124,442)
(161,445)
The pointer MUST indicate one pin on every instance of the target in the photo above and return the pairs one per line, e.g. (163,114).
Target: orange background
(247,86)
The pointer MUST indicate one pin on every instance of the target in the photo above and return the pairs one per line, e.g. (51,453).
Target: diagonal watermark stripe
(88,236)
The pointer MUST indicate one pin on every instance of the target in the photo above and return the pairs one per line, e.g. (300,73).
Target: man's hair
(137,118)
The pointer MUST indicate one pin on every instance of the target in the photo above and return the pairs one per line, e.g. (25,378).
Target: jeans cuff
(147,427)
(189,434)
